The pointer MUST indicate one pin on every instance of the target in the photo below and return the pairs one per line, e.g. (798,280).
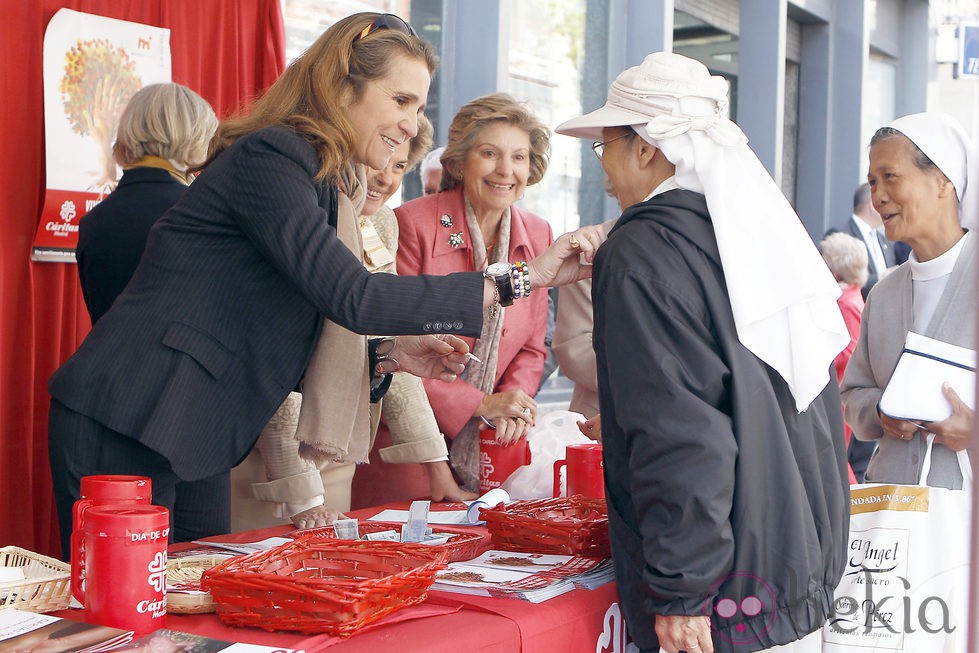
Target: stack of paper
(26,631)
(533,577)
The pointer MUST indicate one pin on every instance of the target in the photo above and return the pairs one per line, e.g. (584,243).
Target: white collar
(667,184)
(865,229)
(938,267)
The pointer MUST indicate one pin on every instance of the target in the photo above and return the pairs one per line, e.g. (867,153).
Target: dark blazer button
(457,326)
(437,326)
(428,326)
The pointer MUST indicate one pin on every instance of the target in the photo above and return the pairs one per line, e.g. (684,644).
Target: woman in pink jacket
(496,148)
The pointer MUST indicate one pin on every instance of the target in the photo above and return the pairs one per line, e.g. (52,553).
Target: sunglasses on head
(386,21)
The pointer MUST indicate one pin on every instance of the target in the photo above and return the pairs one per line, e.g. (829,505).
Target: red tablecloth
(581,620)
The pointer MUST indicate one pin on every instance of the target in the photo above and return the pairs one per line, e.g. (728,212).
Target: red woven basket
(574,525)
(322,585)
(463,545)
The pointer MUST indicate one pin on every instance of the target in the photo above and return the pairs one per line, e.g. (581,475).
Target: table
(579,621)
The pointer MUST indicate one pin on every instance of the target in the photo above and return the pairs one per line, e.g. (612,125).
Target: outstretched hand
(560,264)
(434,356)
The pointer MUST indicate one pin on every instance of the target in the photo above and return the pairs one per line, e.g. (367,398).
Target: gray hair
(432,161)
(420,143)
(165,120)
(846,258)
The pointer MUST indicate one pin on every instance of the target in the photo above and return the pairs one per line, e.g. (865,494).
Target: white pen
(471,357)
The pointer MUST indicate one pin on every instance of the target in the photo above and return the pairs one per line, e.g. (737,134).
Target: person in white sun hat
(716,326)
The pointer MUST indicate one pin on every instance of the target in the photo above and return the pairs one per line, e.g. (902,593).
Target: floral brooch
(455,239)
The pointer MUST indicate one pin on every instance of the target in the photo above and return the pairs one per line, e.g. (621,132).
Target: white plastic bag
(548,441)
(906,583)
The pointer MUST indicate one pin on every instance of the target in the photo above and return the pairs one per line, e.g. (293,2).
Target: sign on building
(967,67)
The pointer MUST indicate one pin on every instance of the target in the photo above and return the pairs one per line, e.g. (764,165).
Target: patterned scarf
(464,454)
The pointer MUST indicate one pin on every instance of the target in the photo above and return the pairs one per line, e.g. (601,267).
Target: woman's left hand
(440,357)
(955,432)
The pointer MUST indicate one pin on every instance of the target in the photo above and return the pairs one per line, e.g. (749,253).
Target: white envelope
(915,389)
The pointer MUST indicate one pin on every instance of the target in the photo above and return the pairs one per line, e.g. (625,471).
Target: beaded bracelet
(520,276)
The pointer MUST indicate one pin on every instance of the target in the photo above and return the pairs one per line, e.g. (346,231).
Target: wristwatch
(499,274)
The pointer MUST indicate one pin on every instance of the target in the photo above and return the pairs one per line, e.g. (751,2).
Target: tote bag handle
(965,465)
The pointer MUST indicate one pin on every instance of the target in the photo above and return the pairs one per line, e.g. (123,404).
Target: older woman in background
(846,257)
(411,433)
(923,180)
(496,148)
(163,134)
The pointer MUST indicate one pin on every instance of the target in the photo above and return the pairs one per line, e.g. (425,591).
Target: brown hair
(421,143)
(469,122)
(311,94)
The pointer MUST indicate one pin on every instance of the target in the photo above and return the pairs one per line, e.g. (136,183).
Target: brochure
(22,631)
(533,577)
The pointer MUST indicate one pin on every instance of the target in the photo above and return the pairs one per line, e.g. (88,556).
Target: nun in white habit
(923,179)
(716,326)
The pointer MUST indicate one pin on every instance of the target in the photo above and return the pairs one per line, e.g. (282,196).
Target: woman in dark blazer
(162,134)
(228,302)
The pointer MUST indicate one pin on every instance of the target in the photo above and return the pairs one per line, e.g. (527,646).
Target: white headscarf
(782,294)
(943,140)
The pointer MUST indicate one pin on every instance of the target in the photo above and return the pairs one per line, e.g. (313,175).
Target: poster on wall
(92,66)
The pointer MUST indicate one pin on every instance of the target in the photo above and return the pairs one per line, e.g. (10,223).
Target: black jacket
(111,236)
(222,314)
(717,489)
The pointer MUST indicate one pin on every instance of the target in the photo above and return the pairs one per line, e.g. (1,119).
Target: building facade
(810,79)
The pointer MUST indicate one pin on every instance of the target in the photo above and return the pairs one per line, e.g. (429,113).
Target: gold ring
(526,410)
(574,242)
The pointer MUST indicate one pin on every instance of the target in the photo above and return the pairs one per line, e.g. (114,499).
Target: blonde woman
(163,134)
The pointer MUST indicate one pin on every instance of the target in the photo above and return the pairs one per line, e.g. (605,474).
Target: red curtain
(226,50)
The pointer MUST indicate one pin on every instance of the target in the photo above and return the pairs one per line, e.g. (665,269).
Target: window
(545,55)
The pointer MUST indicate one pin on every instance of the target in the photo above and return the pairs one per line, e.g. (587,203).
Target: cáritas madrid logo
(67,213)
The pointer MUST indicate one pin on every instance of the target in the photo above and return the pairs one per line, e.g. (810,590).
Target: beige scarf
(464,455)
(336,421)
